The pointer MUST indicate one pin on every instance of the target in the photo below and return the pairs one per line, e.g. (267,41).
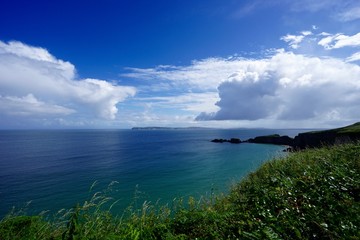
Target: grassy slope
(354,128)
(313,194)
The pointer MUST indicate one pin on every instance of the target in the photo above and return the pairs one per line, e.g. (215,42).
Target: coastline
(312,139)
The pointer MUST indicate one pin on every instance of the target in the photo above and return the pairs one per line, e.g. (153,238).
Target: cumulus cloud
(193,88)
(100,95)
(34,82)
(28,105)
(240,94)
(281,87)
(290,87)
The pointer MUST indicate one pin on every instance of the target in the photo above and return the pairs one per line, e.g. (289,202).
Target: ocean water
(54,169)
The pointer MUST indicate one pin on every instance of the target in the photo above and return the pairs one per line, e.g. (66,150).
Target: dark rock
(235,140)
(324,138)
(288,149)
(273,139)
(306,140)
(232,140)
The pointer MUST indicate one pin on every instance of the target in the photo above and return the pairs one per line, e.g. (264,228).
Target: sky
(175,63)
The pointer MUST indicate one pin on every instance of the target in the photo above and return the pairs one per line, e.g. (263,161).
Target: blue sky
(120,64)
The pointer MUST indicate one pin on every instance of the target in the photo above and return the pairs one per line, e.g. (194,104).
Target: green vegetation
(312,194)
(352,129)
(355,128)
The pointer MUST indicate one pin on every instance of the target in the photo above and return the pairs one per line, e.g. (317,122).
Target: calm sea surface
(55,169)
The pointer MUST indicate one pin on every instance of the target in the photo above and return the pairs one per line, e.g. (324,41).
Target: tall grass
(313,194)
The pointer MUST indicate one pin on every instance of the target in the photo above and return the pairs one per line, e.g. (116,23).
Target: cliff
(327,137)
(313,139)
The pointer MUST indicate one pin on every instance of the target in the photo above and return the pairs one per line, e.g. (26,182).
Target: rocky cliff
(308,139)
(327,137)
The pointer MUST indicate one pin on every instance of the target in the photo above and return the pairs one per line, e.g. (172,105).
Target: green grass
(312,194)
(355,128)
(352,129)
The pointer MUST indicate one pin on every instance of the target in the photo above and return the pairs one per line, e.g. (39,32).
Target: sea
(50,170)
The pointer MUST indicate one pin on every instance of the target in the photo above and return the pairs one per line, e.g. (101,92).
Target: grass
(355,128)
(351,129)
(312,194)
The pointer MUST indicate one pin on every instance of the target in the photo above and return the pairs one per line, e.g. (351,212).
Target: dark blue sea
(55,169)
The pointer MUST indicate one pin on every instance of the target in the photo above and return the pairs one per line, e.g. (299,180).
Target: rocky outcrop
(308,139)
(232,140)
(314,139)
(273,139)
(328,137)
(235,140)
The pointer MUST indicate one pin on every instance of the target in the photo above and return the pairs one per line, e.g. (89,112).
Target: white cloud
(339,41)
(290,87)
(284,87)
(29,73)
(312,43)
(28,105)
(242,94)
(324,34)
(204,74)
(100,95)
(295,40)
(281,87)
(36,55)
(190,102)
(306,33)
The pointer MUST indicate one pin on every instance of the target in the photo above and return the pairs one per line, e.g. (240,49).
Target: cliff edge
(314,139)
(317,139)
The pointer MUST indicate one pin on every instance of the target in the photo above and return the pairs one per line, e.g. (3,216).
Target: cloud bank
(35,84)
(284,86)
(281,86)
(290,87)
(204,75)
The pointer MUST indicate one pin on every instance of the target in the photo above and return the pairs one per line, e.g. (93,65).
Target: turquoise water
(55,168)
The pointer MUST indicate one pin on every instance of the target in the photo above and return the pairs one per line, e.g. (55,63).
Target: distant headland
(167,128)
(313,139)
